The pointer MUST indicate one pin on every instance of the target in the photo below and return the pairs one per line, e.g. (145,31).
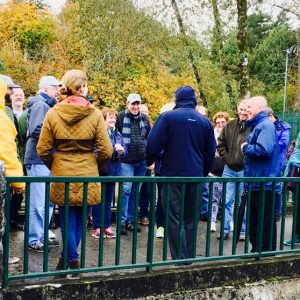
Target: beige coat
(70,137)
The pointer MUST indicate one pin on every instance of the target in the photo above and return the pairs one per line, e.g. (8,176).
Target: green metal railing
(151,260)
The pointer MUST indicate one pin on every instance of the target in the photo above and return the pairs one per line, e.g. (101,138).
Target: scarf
(127,126)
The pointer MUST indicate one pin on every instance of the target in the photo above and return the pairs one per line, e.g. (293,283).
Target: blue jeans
(74,229)
(96,209)
(37,204)
(136,169)
(217,195)
(145,197)
(230,197)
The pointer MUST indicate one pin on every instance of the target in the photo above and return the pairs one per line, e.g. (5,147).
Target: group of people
(61,133)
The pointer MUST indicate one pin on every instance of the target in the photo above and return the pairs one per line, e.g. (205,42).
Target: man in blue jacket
(261,156)
(187,140)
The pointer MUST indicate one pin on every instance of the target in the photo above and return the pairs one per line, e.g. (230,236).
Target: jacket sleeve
(284,139)
(103,147)
(209,155)
(222,145)
(264,145)
(156,140)
(36,118)
(45,144)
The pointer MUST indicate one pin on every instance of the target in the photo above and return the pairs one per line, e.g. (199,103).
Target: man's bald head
(255,105)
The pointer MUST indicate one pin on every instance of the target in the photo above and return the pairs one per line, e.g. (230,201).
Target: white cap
(134,98)
(48,80)
(9,81)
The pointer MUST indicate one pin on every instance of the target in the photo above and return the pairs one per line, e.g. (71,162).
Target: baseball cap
(134,98)
(48,80)
(9,81)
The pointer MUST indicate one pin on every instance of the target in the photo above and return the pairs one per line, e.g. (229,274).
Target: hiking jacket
(261,153)
(229,144)
(187,140)
(78,134)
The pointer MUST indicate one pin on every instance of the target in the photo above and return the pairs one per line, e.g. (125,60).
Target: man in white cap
(38,106)
(135,127)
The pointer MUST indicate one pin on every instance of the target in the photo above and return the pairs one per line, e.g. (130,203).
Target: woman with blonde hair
(74,142)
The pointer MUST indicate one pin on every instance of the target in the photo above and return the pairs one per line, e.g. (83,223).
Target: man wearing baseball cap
(135,127)
(38,106)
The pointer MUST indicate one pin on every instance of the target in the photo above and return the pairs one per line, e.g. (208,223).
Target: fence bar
(248,219)
(210,197)
(196,218)
(26,227)
(46,227)
(84,218)
(118,221)
(223,207)
(235,216)
(167,188)
(137,187)
(283,214)
(102,215)
(272,215)
(66,224)
(181,215)
(295,212)
(261,209)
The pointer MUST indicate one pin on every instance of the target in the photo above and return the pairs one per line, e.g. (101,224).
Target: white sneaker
(213,227)
(51,235)
(231,226)
(160,232)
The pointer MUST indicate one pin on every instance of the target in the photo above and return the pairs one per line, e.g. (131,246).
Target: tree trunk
(190,54)
(297,100)
(243,47)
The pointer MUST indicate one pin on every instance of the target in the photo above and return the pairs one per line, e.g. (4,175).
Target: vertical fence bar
(166,187)
(66,224)
(295,211)
(135,221)
(181,215)
(248,218)
(118,221)
(150,245)
(210,196)
(223,206)
(235,216)
(84,218)
(261,209)
(46,226)
(102,216)
(196,217)
(272,215)
(26,227)
(6,235)
(283,214)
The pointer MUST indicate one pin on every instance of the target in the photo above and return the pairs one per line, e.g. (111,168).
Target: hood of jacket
(72,113)
(41,97)
(257,119)
(3,89)
(186,103)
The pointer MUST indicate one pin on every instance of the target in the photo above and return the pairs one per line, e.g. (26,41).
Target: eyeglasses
(221,122)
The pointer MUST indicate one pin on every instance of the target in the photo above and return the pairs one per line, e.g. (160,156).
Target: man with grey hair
(229,148)
(38,106)
(135,127)
(261,158)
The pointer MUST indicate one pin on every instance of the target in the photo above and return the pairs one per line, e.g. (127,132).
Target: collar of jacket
(185,104)
(257,119)
(50,101)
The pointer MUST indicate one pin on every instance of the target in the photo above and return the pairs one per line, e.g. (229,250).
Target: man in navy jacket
(188,144)
(261,157)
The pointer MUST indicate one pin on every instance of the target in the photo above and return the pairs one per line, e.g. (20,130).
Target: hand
(119,148)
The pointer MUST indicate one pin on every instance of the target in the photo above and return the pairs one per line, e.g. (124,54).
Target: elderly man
(187,139)
(135,127)
(261,157)
(229,148)
(38,106)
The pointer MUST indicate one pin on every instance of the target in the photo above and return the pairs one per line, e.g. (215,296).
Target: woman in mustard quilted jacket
(74,142)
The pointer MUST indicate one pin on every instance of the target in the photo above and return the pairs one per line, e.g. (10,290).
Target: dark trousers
(266,230)
(160,216)
(145,197)
(15,206)
(189,208)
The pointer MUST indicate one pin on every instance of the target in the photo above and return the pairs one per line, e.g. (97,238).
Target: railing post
(2,213)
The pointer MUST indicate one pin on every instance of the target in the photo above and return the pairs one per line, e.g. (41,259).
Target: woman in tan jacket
(74,142)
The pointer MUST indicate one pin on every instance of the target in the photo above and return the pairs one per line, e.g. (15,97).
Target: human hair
(72,82)
(220,114)
(108,111)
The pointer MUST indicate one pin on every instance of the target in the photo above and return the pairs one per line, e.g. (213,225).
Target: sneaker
(96,233)
(37,247)
(53,243)
(225,237)
(123,229)
(13,260)
(130,227)
(160,232)
(51,235)
(289,242)
(144,221)
(231,226)
(108,233)
(213,227)
(242,236)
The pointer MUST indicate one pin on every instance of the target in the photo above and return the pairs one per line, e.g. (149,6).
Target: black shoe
(225,237)
(123,229)
(130,227)
(38,247)
(203,217)
(16,225)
